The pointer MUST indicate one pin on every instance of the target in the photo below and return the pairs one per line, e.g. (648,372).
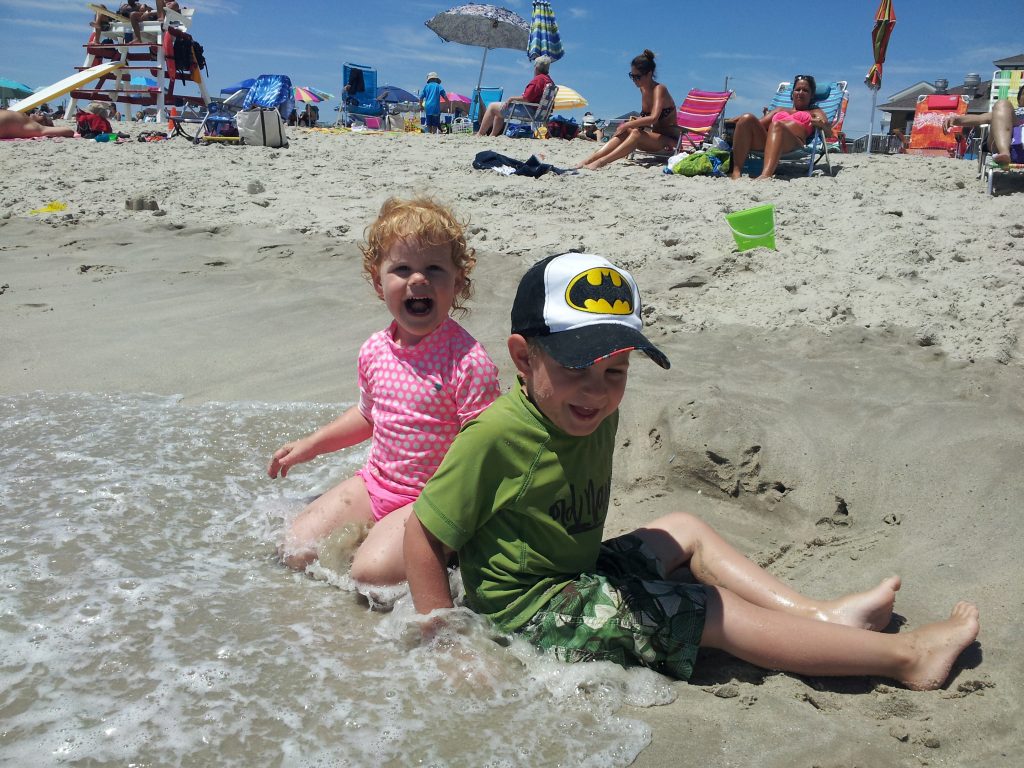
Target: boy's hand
(288,455)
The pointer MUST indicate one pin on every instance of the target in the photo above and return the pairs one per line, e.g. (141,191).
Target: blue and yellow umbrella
(544,39)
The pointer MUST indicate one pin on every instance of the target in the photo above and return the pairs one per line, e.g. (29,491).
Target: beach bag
(90,125)
(706,162)
(262,127)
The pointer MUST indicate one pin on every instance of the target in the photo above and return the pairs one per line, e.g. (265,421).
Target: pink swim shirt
(418,398)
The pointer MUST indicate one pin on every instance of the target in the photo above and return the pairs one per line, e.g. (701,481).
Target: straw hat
(433,76)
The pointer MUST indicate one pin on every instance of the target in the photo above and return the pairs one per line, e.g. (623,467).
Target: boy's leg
(681,539)
(347,502)
(920,659)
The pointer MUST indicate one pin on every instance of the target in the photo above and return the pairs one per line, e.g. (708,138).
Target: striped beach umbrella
(311,95)
(885,20)
(567,98)
(544,39)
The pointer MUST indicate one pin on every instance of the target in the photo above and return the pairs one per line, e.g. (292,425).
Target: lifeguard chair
(153,56)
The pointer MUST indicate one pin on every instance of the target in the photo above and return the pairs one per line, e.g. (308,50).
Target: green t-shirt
(523,503)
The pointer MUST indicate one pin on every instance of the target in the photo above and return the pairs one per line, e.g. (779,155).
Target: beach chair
(696,117)
(533,115)
(359,93)
(1005,84)
(926,134)
(829,98)
(481,99)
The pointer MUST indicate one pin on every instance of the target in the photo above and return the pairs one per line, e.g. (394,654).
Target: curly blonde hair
(427,222)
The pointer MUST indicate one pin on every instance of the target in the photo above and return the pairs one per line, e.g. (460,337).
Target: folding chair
(482,98)
(696,117)
(534,115)
(359,93)
(830,99)
(1005,84)
(926,135)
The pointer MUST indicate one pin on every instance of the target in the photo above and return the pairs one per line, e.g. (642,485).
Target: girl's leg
(620,150)
(379,559)
(681,539)
(603,150)
(782,137)
(347,502)
(920,659)
(1001,130)
(749,134)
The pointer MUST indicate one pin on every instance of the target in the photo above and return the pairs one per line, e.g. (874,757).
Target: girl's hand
(288,455)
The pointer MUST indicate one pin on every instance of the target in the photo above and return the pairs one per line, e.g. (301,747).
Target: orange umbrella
(885,20)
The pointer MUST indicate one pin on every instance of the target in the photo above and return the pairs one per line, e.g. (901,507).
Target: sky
(41,43)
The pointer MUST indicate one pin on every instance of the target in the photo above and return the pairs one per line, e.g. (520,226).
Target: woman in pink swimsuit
(779,131)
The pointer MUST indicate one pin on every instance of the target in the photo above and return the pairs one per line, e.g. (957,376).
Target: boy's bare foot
(935,647)
(865,610)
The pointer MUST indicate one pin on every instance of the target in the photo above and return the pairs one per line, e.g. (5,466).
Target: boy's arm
(425,568)
(348,429)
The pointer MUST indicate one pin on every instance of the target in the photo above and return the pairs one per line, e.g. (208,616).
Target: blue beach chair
(359,92)
(829,98)
(482,98)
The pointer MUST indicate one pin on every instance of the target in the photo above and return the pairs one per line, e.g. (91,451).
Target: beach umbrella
(311,95)
(885,20)
(567,98)
(12,89)
(544,39)
(457,98)
(482,26)
(392,94)
(243,85)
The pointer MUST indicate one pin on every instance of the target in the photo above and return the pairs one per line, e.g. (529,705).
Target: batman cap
(581,308)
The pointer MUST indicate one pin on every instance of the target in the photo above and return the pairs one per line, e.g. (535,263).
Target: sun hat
(433,76)
(581,308)
(588,118)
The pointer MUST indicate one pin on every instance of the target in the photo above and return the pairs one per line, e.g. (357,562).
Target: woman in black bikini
(655,130)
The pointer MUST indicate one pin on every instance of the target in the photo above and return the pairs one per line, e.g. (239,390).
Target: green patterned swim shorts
(627,612)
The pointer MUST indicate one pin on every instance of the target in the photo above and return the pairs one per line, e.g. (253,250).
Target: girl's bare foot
(935,647)
(864,610)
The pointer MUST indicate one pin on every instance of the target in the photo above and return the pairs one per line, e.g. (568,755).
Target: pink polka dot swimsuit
(418,398)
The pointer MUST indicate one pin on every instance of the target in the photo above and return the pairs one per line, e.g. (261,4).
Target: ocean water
(146,621)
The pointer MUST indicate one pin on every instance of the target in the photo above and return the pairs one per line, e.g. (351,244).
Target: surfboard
(66,85)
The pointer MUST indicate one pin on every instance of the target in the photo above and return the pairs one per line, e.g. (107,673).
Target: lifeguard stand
(153,56)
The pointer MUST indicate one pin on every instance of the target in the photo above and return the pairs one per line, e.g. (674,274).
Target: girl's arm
(348,429)
(425,568)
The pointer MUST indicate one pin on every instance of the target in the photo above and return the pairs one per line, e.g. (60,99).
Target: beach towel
(488,160)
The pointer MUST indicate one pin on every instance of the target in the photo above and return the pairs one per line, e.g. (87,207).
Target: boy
(522,496)
(430,101)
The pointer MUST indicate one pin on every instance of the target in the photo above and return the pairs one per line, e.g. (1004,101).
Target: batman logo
(600,290)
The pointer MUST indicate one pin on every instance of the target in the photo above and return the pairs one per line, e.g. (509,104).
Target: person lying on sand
(15,125)
(522,496)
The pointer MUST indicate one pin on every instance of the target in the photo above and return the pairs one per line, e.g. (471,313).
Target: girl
(656,130)
(420,380)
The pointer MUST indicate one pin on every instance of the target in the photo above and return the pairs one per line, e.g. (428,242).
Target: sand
(845,407)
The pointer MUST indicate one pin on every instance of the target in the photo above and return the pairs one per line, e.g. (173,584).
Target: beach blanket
(488,160)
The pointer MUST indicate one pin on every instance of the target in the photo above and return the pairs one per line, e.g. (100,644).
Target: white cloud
(43,24)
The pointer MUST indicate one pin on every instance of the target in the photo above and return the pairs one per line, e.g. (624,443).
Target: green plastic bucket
(754,227)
